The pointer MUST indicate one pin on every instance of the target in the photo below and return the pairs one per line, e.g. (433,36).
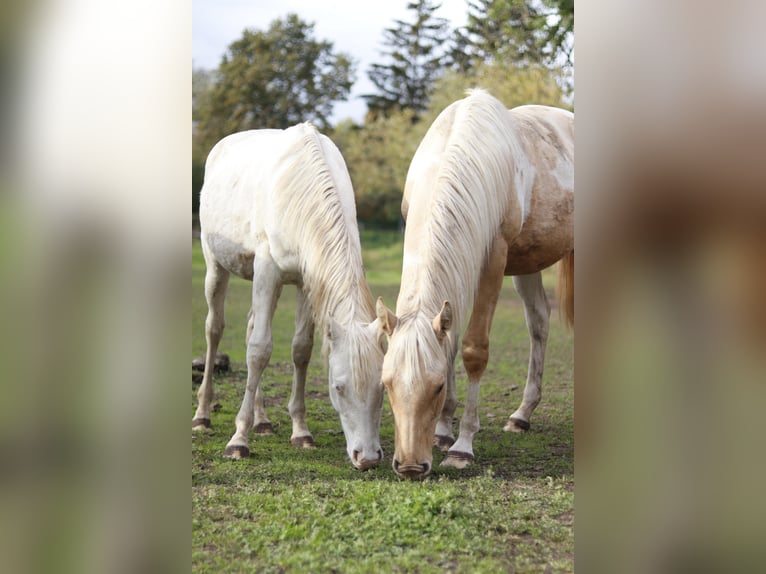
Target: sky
(353,26)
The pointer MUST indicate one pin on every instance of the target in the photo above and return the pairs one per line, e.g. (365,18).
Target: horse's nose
(412,471)
(363,463)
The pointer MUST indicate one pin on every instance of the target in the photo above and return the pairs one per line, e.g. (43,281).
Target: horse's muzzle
(366,463)
(412,471)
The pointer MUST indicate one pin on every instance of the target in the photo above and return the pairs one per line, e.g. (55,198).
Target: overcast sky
(353,26)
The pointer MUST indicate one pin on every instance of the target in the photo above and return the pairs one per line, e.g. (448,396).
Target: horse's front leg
(266,288)
(261,423)
(444,436)
(303,344)
(476,353)
(537,312)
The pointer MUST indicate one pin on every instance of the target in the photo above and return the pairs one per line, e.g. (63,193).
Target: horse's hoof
(303,441)
(200,424)
(516,425)
(236,452)
(263,428)
(443,442)
(458,459)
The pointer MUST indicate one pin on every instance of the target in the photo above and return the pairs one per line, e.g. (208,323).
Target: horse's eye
(441,387)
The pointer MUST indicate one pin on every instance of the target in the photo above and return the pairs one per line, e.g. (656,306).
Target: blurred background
(671,272)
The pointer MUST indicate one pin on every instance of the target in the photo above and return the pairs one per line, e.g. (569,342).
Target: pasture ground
(291,510)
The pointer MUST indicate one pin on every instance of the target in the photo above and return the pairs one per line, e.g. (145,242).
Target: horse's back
(547,136)
(236,197)
(253,198)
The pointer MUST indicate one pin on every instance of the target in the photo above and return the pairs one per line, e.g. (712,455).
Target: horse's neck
(342,293)
(355,305)
(425,287)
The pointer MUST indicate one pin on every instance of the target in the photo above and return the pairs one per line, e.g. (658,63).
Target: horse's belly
(231,255)
(539,246)
(526,259)
(239,259)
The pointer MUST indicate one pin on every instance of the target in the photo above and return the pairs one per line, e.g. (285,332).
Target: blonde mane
(454,214)
(462,204)
(309,202)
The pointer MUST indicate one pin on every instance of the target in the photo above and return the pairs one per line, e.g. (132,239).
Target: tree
(202,82)
(415,54)
(499,30)
(559,30)
(274,79)
(510,84)
(522,33)
(378,156)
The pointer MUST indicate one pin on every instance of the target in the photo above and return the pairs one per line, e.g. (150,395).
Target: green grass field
(291,510)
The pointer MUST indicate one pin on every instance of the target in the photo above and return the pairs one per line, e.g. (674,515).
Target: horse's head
(414,373)
(354,358)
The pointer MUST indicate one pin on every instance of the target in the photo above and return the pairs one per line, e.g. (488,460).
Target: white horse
(277,207)
(490,192)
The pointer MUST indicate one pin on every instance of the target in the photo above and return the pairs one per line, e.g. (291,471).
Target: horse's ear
(442,323)
(386,319)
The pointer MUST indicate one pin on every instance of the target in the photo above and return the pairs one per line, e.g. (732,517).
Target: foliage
(559,30)
(293,510)
(202,82)
(415,55)
(519,32)
(511,85)
(500,31)
(378,157)
(274,79)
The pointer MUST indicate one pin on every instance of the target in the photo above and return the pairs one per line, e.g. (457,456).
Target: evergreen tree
(415,59)
(507,31)
(559,30)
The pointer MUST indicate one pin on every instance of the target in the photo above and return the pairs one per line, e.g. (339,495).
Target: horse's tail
(565,288)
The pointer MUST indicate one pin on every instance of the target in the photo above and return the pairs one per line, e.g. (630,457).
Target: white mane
(311,202)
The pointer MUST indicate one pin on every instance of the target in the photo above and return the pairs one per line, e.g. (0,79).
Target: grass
(292,510)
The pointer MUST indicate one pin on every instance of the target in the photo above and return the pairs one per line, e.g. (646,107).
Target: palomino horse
(489,193)
(277,207)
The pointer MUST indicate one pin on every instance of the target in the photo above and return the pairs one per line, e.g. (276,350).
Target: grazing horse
(489,193)
(277,207)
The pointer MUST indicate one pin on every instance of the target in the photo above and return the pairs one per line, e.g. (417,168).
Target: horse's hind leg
(537,312)
(266,288)
(216,282)
(303,344)
(261,423)
(476,353)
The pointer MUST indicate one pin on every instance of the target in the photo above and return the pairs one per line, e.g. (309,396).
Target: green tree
(378,156)
(202,82)
(499,30)
(415,59)
(510,84)
(523,33)
(274,79)
(558,28)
